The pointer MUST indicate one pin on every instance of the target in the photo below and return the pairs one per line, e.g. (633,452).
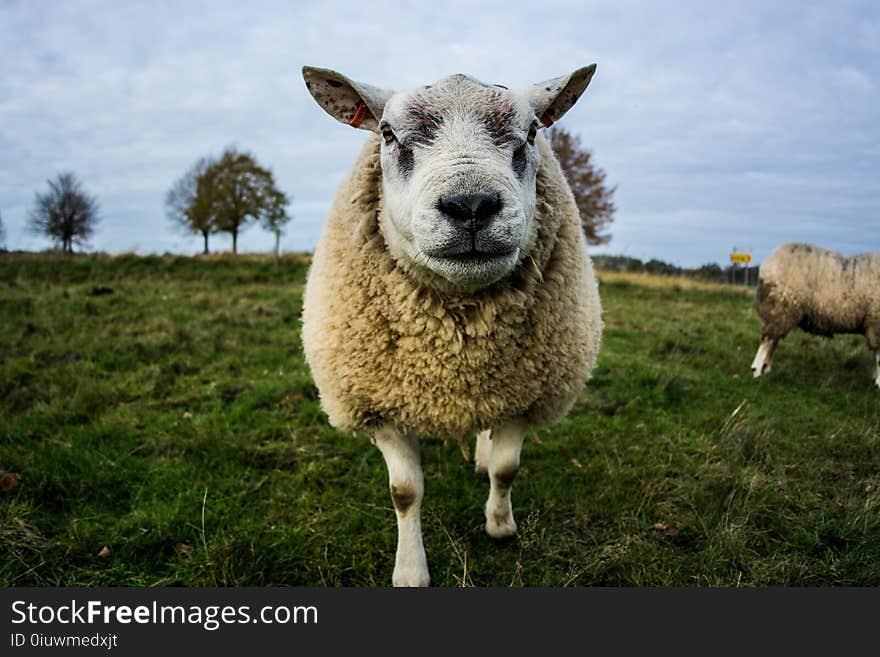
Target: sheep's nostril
(455,208)
(487,208)
(472,210)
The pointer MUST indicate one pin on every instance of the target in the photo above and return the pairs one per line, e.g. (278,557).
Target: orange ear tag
(547,119)
(360,113)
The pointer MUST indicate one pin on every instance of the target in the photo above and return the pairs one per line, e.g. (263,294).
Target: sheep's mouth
(472,268)
(476,257)
(473,253)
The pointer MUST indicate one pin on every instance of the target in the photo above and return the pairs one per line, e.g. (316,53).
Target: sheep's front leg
(764,357)
(873,335)
(407,485)
(877,367)
(482,451)
(506,443)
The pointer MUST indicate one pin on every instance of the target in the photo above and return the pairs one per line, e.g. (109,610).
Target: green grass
(161,407)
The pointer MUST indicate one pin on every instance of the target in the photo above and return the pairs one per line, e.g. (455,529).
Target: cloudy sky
(741,126)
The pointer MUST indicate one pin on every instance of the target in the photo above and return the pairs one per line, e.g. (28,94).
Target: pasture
(158,427)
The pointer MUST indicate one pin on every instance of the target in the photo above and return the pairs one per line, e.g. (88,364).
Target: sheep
(450,293)
(820,291)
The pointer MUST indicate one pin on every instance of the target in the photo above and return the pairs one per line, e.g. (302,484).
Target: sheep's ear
(357,104)
(553,98)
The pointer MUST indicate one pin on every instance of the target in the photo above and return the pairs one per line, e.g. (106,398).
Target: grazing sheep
(820,291)
(451,292)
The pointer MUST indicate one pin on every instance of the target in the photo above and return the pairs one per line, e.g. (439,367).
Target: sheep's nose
(470,210)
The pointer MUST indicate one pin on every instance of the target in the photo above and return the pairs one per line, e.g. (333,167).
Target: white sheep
(451,292)
(820,291)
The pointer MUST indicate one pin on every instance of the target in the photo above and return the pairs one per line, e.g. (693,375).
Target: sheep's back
(830,293)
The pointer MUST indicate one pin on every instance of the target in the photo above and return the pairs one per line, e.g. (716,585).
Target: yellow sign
(743,258)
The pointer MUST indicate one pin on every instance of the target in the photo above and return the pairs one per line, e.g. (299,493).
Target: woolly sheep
(820,291)
(451,292)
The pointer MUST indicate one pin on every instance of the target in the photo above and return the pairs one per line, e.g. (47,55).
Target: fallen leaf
(183,549)
(659,525)
(105,551)
(869,488)
(736,376)
(672,531)
(9,482)
(187,415)
(577,463)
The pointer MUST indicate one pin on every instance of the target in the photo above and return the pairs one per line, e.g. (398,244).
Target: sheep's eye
(388,135)
(533,131)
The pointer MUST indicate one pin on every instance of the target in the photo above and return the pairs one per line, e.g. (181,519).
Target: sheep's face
(458,174)
(459,163)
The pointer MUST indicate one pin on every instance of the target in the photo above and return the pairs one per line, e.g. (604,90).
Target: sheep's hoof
(403,577)
(500,531)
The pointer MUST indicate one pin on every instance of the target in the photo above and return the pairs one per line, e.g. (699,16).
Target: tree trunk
(205,233)
(235,241)
(277,247)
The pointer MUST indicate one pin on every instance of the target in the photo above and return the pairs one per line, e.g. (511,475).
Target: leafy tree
(593,197)
(710,271)
(617,263)
(2,234)
(655,266)
(189,202)
(65,214)
(242,192)
(276,218)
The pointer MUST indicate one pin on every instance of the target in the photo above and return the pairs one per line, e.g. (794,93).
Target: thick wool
(386,345)
(820,291)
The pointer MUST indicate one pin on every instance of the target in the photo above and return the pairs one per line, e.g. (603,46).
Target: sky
(722,125)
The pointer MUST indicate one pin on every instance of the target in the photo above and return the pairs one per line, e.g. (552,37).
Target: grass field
(158,427)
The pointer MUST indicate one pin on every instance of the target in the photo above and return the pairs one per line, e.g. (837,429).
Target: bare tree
(65,214)
(594,199)
(188,203)
(242,192)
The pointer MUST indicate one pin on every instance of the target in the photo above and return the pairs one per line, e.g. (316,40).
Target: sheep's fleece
(385,345)
(819,290)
